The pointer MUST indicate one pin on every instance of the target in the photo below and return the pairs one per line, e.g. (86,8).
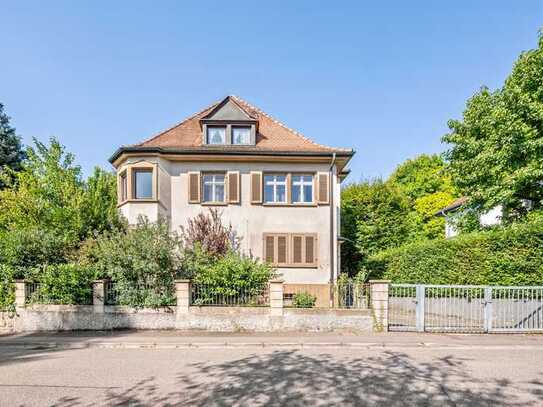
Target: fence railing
(353,295)
(163,295)
(233,296)
(460,308)
(32,292)
(36,293)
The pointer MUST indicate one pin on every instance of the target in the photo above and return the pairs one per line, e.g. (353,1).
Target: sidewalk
(131,339)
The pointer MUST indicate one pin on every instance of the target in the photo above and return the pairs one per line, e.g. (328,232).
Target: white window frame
(247,128)
(213,182)
(301,184)
(275,183)
(208,139)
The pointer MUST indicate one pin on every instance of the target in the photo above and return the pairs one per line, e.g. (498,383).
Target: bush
(31,247)
(304,300)
(143,261)
(7,288)
(503,256)
(231,275)
(207,232)
(62,284)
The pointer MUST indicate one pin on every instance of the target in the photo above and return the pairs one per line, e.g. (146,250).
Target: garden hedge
(504,256)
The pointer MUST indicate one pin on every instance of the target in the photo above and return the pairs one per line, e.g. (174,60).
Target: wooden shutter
(233,187)
(269,248)
(323,184)
(256,187)
(281,250)
(194,187)
(310,249)
(297,250)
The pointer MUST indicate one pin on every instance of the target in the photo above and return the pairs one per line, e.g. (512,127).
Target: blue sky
(381,77)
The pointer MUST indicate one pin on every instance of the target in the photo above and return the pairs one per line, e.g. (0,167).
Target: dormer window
(241,135)
(216,135)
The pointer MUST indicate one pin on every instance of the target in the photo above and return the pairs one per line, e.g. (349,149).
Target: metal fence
(460,308)
(32,292)
(232,296)
(162,295)
(352,295)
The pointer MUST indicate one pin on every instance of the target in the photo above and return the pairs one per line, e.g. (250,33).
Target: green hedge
(503,256)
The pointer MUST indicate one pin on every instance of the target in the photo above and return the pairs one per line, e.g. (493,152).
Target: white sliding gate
(464,308)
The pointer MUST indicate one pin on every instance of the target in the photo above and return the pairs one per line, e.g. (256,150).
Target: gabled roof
(272,136)
(457,203)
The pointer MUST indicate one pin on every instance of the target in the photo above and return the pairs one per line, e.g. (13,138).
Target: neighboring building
(452,211)
(278,189)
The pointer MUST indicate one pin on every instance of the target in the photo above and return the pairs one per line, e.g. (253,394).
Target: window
(241,135)
(291,249)
(216,135)
(275,188)
(123,187)
(302,188)
(213,185)
(143,184)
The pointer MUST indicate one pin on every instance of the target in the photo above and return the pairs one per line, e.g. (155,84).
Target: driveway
(222,370)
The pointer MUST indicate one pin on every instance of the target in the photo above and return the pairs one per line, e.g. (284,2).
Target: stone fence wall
(184,316)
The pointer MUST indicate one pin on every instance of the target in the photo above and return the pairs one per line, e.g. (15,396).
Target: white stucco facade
(251,221)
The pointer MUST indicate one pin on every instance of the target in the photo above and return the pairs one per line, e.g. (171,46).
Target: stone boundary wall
(212,319)
(183,316)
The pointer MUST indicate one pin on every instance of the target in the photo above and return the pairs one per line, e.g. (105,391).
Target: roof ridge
(297,133)
(192,116)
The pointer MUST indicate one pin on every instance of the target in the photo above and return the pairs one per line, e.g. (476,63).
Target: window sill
(295,266)
(214,203)
(137,201)
(291,205)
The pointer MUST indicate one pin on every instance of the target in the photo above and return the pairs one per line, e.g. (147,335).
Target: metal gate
(464,308)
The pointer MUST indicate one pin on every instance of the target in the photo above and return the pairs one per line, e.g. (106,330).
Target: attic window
(216,135)
(241,135)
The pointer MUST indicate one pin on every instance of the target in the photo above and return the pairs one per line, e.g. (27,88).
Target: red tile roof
(272,135)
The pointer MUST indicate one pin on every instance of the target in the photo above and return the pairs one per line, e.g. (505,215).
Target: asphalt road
(469,373)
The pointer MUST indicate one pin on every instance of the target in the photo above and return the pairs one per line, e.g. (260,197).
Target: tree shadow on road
(295,378)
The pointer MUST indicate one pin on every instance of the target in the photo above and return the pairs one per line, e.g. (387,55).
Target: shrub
(503,256)
(62,284)
(143,262)
(231,275)
(31,247)
(207,232)
(7,288)
(304,300)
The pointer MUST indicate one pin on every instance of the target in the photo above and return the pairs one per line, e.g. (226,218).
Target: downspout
(332,251)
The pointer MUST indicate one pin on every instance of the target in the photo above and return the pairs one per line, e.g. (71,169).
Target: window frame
(130,170)
(135,172)
(214,184)
(236,127)
(225,135)
(302,184)
(275,184)
(288,194)
(123,186)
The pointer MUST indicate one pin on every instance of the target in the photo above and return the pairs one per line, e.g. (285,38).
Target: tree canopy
(11,152)
(495,152)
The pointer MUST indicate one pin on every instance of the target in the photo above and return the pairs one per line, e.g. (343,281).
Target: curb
(244,345)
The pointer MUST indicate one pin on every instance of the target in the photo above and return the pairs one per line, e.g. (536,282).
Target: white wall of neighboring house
(250,221)
(490,218)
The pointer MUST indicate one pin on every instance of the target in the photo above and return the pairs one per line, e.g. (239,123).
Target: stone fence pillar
(379,303)
(98,296)
(20,293)
(182,292)
(276,297)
